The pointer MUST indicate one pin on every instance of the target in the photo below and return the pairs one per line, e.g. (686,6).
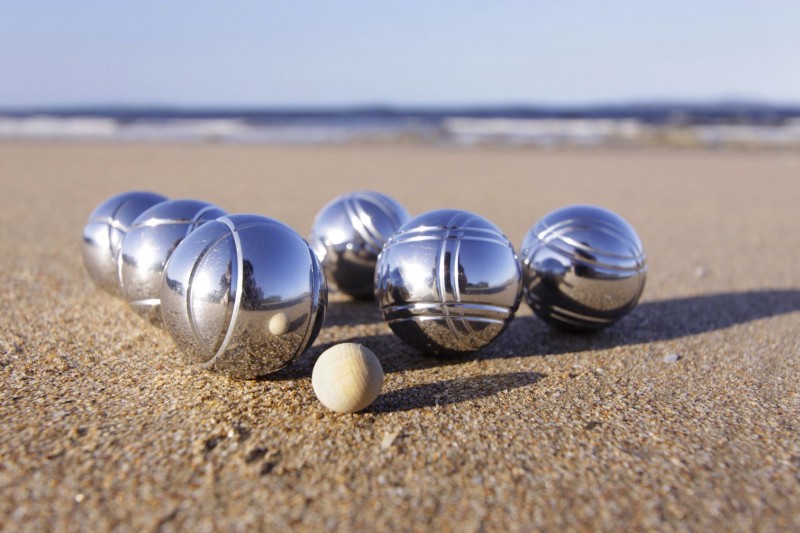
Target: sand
(683,416)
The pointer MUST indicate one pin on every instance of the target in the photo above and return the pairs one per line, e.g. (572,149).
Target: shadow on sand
(451,391)
(649,322)
(528,336)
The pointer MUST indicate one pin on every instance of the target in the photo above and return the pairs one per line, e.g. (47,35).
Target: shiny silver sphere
(448,282)
(150,241)
(584,268)
(349,233)
(243,295)
(105,231)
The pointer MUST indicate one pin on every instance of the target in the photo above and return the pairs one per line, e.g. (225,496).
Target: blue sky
(241,53)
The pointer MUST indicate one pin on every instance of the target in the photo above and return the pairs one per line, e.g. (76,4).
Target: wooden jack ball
(347,378)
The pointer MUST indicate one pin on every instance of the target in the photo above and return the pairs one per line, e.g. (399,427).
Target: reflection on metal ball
(150,241)
(226,283)
(584,268)
(349,233)
(448,282)
(105,231)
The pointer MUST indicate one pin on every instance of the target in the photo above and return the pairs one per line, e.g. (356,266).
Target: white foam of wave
(47,127)
(184,129)
(590,132)
(54,127)
(457,130)
(188,130)
(541,131)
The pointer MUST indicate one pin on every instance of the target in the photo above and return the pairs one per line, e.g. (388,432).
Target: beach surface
(685,415)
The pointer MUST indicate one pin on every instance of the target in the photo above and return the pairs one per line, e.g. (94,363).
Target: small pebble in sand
(347,378)
(388,439)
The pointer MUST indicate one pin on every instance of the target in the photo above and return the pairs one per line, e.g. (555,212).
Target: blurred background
(621,73)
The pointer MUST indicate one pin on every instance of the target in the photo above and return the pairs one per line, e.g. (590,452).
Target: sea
(717,125)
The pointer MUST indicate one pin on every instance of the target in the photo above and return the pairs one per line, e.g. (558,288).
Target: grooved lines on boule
(362,223)
(553,236)
(236,293)
(191,223)
(110,222)
(572,317)
(230,309)
(236,281)
(450,308)
(438,233)
(453,309)
(190,297)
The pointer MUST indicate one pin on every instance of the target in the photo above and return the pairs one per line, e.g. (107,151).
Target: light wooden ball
(347,378)
(279,324)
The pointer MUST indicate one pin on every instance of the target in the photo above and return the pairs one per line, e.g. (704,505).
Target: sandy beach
(683,416)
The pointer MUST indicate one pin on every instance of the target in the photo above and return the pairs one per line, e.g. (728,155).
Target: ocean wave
(449,130)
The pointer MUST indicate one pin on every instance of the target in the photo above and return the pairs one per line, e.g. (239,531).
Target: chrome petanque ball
(105,231)
(349,233)
(584,268)
(150,241)
(448,282)
(243,295)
